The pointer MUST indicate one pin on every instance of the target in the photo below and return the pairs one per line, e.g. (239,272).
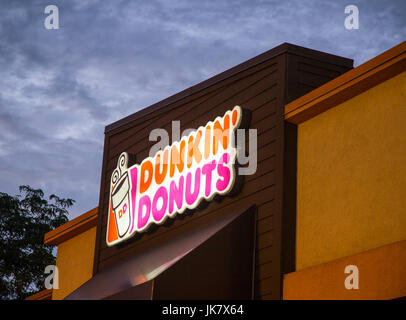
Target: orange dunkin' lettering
(177,158)
(207,136)
(146,168)
(221,134)
(193,149)
(234,116)
(160,176)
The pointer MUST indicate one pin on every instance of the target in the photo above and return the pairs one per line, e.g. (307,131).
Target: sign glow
(197,167)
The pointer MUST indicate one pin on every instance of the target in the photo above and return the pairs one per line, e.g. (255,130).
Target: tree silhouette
(24,220)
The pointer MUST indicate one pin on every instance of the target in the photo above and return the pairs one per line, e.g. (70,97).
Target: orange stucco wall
(75,262)
(381,275)
(352,176)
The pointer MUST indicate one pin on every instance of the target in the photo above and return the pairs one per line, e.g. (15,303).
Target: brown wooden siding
(263,88)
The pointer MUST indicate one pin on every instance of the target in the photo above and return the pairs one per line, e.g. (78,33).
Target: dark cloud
(59,88)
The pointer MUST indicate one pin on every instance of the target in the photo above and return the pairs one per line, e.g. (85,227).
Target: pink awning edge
(150,263)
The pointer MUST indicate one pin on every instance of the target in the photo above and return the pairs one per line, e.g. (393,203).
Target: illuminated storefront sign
(177,178)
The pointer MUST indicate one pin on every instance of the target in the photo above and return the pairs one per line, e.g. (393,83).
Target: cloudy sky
(108,59)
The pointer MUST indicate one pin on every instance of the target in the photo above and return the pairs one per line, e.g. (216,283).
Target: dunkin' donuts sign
(197,167)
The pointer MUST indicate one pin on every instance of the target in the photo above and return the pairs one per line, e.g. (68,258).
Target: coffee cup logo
(120,195)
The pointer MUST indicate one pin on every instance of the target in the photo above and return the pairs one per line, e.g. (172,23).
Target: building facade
(326,195)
